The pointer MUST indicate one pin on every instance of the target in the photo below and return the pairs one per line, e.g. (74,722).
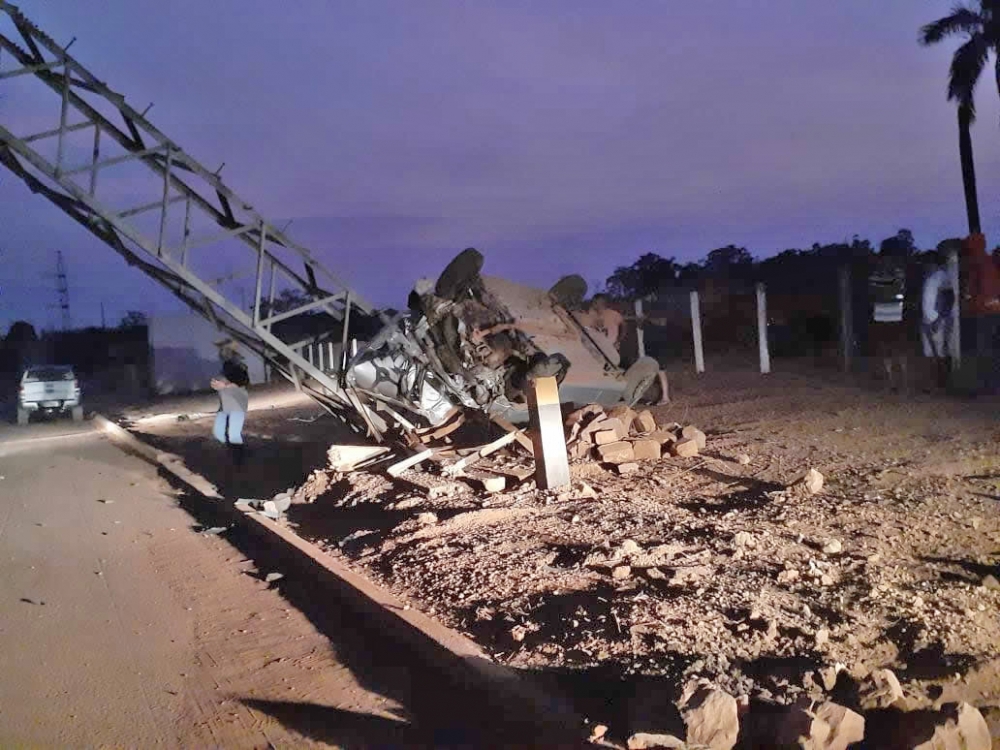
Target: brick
(646,450)
(644,422)
(602,425)
(584,414)
(695,434)
(616,453)
(624,414)
(686,448)
(663,437)
(604,437)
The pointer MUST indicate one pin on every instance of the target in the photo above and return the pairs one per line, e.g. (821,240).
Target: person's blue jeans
(228,427)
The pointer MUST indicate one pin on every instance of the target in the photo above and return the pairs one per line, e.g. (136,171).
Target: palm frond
(966,66)
(963,20)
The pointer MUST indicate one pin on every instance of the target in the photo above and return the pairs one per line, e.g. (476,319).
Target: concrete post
(955,342)
(551,461)
(640,335)
(699,355)
(846,317)
(765,353)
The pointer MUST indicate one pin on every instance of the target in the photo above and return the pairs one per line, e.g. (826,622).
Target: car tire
(638,378)
(569,291)
(459,275)
(77,413)
(22,416)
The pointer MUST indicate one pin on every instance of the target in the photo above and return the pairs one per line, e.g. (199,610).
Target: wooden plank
(458,467)
(523,440)
(408,463)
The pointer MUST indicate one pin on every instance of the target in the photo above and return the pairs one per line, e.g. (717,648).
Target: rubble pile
(811,583)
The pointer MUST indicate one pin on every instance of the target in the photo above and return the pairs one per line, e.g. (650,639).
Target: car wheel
(569,291)
(77,413)
(459,275)
(638,378)
(22,416)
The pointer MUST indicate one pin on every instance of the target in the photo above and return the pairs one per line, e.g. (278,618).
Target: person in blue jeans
(233,402)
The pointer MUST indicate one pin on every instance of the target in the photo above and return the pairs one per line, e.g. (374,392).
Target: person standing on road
(234,400)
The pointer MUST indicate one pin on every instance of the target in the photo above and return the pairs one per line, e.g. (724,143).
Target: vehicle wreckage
(472,343)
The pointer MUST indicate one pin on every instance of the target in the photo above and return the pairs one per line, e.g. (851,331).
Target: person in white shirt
(937,303)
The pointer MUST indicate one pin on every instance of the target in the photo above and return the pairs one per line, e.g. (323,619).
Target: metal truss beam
(172,177)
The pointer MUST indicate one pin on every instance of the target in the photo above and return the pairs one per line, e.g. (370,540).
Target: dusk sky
(556,137)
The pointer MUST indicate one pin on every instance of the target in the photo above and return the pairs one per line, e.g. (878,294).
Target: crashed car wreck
(474,342)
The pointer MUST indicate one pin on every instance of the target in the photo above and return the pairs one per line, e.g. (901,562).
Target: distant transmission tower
(62,288)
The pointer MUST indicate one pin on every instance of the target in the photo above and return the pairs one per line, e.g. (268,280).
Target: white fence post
(640,335)
(955,344)
(699,354)
(765,354)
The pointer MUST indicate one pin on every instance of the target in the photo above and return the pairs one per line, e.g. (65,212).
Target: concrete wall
(184,354)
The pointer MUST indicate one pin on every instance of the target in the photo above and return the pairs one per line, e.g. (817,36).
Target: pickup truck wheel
(77,413)
(459,275)
(22,416)
(638,378)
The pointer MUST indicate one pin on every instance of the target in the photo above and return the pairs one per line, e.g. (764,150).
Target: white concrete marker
(765,354)
(699,355)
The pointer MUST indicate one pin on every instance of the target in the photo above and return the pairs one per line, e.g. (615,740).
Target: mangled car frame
(471,342)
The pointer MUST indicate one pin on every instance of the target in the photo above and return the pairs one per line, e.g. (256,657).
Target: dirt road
(123,625)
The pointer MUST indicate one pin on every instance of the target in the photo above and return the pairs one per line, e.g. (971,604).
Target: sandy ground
(123,625)
(703,567)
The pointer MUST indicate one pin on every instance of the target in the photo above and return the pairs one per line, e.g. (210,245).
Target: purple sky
(556,137)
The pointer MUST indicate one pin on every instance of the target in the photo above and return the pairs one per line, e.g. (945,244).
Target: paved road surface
(121,625)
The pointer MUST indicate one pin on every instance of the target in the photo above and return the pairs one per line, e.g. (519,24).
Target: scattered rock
(693,433)
(621,572)
(744,539)
(647,741)
(598,732)
(644,422)
(822,637)
(685,448)
(272,577)
(812,481)
(629,547)
(214,530)
(494,484)
(427,519)
(282,501)
(616,453)
(444,490)
(711,719)
(833,547)
(743,459)
(788,576)
(991,583)
(843,727)
(965,729)
(883,691)
(663,437)
(518,632)
(646,450)
(628,468)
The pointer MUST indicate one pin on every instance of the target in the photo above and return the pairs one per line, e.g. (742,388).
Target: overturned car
(474,342)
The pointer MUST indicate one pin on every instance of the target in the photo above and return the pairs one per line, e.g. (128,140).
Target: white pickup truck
(49,389)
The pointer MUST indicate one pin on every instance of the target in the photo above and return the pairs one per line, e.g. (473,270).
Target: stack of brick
(623,437)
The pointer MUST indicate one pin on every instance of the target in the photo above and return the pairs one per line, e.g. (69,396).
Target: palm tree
(981,28)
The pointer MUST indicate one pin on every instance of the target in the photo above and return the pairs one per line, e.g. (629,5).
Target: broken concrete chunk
(964,729)
(494,484)
(883,691)
(644,422)
(646,450)
(649,741)
(616,453)
(833,547)
(812,481)
(693,433)
(685,448)
(628,468)
(843,728)
(621,572)
(345,457)
(711,719)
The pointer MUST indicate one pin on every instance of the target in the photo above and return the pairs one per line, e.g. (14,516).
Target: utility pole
(62,287)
